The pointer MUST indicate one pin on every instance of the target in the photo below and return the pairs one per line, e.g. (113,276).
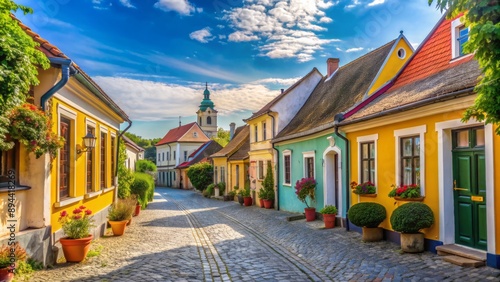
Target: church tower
(207,115)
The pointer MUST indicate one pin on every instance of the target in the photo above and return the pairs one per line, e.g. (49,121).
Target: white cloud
(354,49)
(338,49)
(354,4)
(140,98)
(222,36)
(199,10)
(203,35)
(182,7)
(284,28)
(376,2)
(220,26)
(127,3)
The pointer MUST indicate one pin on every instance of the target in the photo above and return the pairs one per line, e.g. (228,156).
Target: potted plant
(230,196)
(408,220)
(368,216)
(131,202)
(9,256)
(262,196)
(406,192)
(304,189)
(329,212)
(247,199)
(138,206)
(118,216)
(366,188)
(240,194)
(76,227)
(268,186)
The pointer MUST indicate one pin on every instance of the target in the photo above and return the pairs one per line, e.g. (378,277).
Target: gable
(194,134)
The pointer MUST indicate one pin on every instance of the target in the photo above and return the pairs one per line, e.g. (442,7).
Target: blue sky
(153,57)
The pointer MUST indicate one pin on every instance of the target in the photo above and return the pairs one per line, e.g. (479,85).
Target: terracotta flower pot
(247,201)
(118,227)
(372,234)
(261,202)
(329,220)
(129,222)
(75,250)
(137,210)
(6,275)
(310,214)
(268,204)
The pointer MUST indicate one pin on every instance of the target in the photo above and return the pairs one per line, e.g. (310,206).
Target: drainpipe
(118,147)
(169,183)
(337,119)
(66,71)
(277,166)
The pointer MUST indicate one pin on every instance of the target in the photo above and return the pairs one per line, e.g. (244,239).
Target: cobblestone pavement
(183,236)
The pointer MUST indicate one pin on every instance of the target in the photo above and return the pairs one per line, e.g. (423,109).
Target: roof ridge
(369,53)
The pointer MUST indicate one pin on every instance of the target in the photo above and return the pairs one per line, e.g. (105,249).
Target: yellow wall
(392,66)
(240,182)
(220,162)
(496,167)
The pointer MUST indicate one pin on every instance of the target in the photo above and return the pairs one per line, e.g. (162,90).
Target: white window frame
(287,153)
(365,139)
(406,132)
(308,154)
(455,48)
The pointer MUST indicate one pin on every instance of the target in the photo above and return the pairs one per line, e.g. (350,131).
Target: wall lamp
(88,143)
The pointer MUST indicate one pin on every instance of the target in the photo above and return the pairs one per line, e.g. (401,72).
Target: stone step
(465,262)
(461,252)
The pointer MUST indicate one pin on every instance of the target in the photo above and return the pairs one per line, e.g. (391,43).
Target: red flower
(82,207)
(77,211)
(63,214)
(88,212)
(77,216)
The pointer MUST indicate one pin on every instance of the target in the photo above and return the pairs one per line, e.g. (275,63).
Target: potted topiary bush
(304,189)
(329,213)
(368,216)
(408,220)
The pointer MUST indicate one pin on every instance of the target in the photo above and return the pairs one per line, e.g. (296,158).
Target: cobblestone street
(183,236)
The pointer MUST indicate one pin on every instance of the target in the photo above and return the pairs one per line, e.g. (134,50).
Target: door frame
(328,170)
(445,180)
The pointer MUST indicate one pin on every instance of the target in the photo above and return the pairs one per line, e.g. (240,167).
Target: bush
(143,187)
(209,191)
(145,166)
(222,187)
(411,217)
(120,210)
(125,176)
(367,214)
(268,185)
(200,175)
(328,209)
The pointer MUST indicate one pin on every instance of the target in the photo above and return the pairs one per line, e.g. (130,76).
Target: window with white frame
(309,164)
(66,167)
(185,155)
(287,167)
(459,36)
(410,164)
(367,152)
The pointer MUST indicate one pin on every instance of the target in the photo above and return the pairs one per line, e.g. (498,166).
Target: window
(175,159)
(287,167)
(222,174)
(215,174)
(64,158)
(261,169)
(410,156)
(168,156)
(159,157)
(185,155)
(309,164)
(113,161)
(256,133)
(103,159)
(401,53)
(195,134)
(264,137)
(237,179)
(459,36)
(9,166)
(209,120)
(367,162)
(163,156)
(90,163)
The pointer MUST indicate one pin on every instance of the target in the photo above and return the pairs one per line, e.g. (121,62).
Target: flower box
(368,195)
(419,199)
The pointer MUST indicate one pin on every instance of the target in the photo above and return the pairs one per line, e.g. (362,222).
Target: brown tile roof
(330,97)
(268,106)
(132,144)
(242,152)
(173,135)
(202,153)
(240,138)
(427,78)
(51,51)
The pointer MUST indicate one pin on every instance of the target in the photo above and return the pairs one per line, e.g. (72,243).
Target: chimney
(180,121)
(332,64)
(282,90)
(232,125)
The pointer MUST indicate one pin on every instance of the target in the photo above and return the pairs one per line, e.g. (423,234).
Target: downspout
(277,166)
(66,71)
(337,119)
(118,146)
(168,164)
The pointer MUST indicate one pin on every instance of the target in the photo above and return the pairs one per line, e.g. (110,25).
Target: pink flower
(63,214)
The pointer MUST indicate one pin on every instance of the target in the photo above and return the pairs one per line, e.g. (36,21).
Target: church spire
(206,103)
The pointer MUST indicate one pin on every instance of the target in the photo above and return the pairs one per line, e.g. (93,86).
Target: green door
(469,185)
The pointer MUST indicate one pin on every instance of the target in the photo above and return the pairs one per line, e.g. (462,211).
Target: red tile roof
(173,135)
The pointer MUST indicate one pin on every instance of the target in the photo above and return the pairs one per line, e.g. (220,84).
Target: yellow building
(413,134)
(78,175)
(231,162)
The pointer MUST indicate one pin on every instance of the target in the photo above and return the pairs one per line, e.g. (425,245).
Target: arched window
(209,120)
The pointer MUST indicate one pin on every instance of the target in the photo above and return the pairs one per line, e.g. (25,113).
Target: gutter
(277,166)
(118,146)
(337,119)
(67,70)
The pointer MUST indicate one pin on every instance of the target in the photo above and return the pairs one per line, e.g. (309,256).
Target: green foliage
(95,251)
(200,175)
(483,20)
(150,154)
(411,217)
(222,187)
(147,144)
(222,137)
(145,166)
(78,224)
(367,214)
(120,210)
(268,185)
(209,191)
(328,209)
(405,191)
(143,187)
(125,176)
(363,188)
(19,60)
(6,253)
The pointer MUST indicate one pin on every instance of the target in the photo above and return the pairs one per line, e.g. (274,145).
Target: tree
(222,137)
(200,175)
(483,20)
(125,176)
(268,184)
(19,60)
